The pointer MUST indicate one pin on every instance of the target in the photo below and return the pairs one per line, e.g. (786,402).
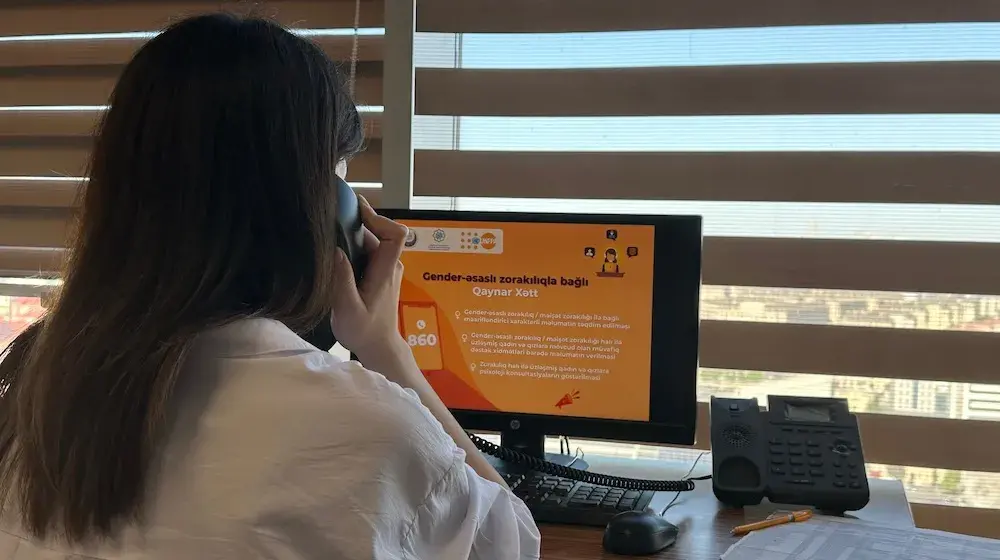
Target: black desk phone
(801,450)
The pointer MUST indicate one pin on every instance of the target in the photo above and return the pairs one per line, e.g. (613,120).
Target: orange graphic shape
(452,357)
(456,393)
(420,321)
(454,383)
(568,399)
(488,241)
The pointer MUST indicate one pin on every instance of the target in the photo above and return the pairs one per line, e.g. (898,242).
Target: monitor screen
(532,317)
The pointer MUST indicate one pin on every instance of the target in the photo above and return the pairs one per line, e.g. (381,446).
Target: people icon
(610,267)
(610,261)
(589,252)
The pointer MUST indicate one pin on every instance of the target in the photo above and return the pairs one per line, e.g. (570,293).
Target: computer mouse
(635,533)
(350,238)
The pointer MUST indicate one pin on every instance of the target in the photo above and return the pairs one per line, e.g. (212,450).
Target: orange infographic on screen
(531,318)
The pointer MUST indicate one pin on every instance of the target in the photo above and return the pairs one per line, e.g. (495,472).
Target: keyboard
(554,499)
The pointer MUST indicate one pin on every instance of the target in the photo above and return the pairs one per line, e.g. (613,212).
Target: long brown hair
(210,199)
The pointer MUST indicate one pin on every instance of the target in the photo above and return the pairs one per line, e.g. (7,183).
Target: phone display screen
(807,412)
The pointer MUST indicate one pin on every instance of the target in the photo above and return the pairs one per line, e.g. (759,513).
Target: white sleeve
(371,473)
(467,516)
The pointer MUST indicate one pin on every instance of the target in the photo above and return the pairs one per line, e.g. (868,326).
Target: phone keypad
(805,457)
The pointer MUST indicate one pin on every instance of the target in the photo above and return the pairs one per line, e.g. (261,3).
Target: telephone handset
(802,450)
(350,238)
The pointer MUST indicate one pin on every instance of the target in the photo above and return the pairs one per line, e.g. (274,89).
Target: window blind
(59,61)
(845,156)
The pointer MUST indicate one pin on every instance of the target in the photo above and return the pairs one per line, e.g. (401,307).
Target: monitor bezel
(676,297)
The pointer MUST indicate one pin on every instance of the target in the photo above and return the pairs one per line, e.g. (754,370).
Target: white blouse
(281,451)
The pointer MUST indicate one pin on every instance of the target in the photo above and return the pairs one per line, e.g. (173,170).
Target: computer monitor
(556,324)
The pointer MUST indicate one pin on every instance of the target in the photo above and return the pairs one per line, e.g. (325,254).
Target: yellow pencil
(779,520)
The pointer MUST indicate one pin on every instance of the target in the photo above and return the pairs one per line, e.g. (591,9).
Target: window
(16,314)
(487,103)
(22,302)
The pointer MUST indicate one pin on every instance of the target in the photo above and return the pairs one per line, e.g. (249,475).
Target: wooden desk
(704,524)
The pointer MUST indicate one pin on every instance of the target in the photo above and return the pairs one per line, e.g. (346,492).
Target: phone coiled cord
(545,467)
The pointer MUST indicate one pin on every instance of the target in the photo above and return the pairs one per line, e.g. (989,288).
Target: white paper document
(830,539)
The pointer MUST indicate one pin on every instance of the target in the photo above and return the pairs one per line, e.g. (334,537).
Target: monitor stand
(532,443)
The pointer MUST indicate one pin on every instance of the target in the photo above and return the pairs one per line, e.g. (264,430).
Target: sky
(721,47)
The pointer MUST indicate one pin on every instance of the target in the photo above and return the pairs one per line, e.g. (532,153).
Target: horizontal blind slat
(63,194)
(93,86)
(549,16)
(66,86)
(943,178)
(52,193)
(26,261)
(914,354)
(39,160)
(850,264)
(72,16)
(71,161)
(982,522)
(70,124)
(944,442)
(82,124)
(97,52)
(32,225)
(791,89)
(35,227)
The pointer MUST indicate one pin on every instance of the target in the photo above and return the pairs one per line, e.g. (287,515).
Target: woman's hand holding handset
(365,321)
(365,317)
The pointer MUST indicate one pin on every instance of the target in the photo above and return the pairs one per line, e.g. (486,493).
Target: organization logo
(411,239)
(470,240)
(439,235)
(473,240)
